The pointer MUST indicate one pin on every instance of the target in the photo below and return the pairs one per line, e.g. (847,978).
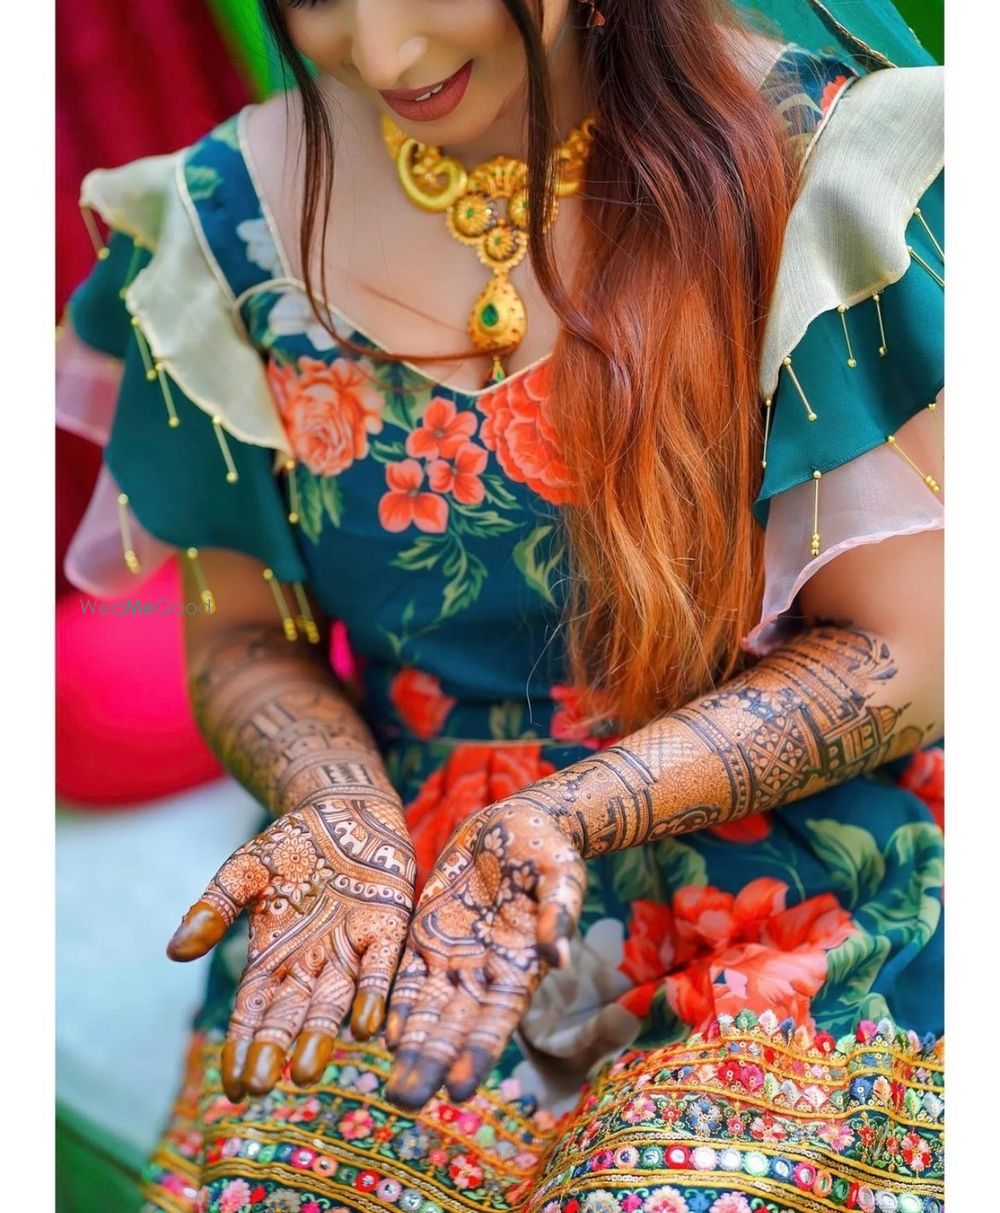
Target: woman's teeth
(433,91)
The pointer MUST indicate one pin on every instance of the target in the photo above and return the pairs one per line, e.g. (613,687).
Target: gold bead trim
(768,404)
(852,362)
(814,543)
(287,622)
(810,414)
(101,250)
(231,473)
(929,480)
(883,349)
(919,214)
(305,618)
(125,529)
(928,269)
(206,595)
(295,511)
(937,422)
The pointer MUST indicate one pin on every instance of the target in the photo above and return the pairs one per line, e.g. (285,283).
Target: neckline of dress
(469,393)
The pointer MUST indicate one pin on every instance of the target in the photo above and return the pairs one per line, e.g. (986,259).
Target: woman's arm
(839,699)
(272,711)
(329,884)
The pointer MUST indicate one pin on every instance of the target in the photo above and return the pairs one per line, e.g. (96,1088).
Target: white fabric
(182,300)
(880,149)
(871,498)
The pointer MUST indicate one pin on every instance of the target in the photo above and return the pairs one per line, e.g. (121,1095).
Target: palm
(498,907)
(329,889)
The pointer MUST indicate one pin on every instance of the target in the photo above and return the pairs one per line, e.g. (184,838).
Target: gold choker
(470,200)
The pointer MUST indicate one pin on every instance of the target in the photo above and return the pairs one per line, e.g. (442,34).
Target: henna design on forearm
(801,720)
(329,889)
(280,723)
(329,884)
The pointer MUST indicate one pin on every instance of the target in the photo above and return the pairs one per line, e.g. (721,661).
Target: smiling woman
(585,361)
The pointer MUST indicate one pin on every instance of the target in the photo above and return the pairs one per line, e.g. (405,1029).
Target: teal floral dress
(753,1016)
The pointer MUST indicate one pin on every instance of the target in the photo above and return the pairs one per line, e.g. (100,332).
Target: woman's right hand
(329,890)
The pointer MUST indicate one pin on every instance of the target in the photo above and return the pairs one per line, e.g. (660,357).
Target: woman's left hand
(500,906)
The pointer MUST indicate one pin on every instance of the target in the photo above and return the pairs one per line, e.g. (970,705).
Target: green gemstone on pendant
(489,315)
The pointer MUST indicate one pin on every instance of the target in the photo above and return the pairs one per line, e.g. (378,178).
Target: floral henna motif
(329,889)
(500,906)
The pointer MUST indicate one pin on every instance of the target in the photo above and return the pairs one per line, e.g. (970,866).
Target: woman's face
(394,52)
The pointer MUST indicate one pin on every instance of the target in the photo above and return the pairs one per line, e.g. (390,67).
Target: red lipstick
(431,102)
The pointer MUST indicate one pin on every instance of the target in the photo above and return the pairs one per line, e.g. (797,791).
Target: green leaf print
(537,569)
(202,181)
(497,492)
(919,843)
(387,452)
(425,552)
(853,966)
(333,501)
(655,873)
(480,523)
(466,575)
(852,858)
(310,506)
(505,721)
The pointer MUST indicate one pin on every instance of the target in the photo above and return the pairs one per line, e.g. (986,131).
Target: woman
(617,859)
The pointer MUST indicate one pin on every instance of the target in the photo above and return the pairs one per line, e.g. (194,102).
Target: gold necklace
(470,200)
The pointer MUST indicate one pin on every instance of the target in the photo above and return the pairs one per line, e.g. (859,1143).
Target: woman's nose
(384,45)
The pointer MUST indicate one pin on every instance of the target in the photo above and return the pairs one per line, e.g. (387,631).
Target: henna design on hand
(329,889)
(500,906)
(800,721)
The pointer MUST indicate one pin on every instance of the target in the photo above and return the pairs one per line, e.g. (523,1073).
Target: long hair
(654,375)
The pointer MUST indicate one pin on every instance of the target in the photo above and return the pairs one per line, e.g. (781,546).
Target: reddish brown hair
(654,376)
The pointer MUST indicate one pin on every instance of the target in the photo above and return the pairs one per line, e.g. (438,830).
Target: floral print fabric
(725,1038)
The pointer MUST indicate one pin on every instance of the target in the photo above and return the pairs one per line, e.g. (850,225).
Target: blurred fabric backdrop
(136,78)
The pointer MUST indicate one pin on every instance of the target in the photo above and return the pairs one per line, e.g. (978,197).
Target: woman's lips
(439,99)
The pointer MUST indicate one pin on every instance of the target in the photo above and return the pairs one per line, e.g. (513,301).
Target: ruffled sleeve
(853,361)
(154,364)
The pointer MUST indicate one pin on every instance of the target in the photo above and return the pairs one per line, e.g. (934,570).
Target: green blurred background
(241,24)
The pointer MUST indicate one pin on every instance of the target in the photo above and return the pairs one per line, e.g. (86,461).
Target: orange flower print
(755,827)
(406,503)
(329,409)
(519,429)
(831,91)
(422,705)
(442,431)
(470,778)
(714,954)
(462,480)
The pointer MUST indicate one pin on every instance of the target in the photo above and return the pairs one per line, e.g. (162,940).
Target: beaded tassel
(767,429)
(101,250)
(814,543)
(287,622)
(168,399)
(919,214)
(206,595)
(305,619)
(231,473)
(125,527)
(883,349)
(787,364)
(144,351)
(928,269)
(130,272)
(937,422)
(929,480)
(851,360)
(293,492)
